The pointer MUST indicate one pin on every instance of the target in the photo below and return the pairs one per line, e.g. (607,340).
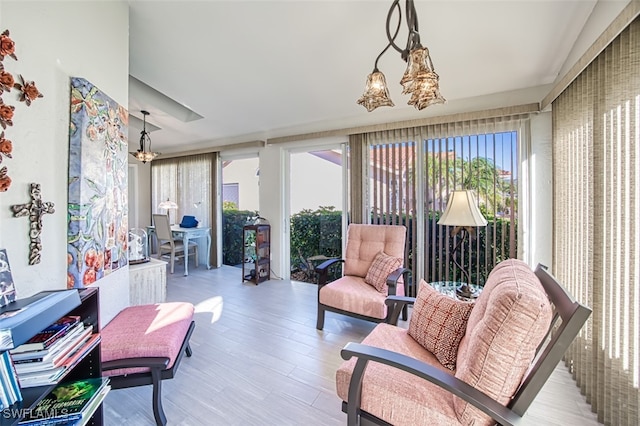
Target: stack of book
(9,388)
(47,356)
(70,403)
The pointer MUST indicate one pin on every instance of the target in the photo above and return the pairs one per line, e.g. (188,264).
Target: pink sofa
(408,385)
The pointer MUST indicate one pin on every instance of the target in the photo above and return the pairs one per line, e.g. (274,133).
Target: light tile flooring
(258,360)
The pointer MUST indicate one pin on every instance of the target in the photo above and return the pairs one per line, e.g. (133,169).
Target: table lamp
(463,214)
(168,205)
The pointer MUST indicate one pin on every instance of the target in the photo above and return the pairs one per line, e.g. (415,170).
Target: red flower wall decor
(28,92)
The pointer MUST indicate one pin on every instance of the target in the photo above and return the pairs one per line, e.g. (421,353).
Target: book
(57,356)
(7,287)
(92,406)
(49,335)
(67,402)
(46,354)
(33,314)
(9,379)
(51,376)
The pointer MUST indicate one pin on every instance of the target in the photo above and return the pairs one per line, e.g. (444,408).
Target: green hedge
(232,223)
(318,232)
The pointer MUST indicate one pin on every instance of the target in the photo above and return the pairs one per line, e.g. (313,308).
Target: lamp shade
(168,205)
(462,210)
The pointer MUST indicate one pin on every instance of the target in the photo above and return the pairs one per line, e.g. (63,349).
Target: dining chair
(168,245)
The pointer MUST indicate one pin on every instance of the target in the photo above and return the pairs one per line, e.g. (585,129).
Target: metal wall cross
(35,209)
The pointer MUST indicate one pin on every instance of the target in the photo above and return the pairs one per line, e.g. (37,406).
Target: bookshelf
(86,306)
(256,253)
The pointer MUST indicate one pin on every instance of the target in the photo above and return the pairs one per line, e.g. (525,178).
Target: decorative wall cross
(35,209)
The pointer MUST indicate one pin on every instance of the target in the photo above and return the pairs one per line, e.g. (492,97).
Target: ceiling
(256,70)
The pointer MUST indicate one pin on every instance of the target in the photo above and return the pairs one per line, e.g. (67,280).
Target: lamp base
(464,291)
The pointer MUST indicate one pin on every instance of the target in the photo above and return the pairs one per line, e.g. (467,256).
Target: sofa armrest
(392,279)
(396,305)
(365,353)
(323,269)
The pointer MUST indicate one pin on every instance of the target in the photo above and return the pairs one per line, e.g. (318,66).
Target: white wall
(244,172)
(315,182)
(541,196)
(56,40)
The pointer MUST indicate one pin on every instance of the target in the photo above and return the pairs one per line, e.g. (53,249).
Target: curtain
(356,178)
(191,183)
(413,170)
(596,138)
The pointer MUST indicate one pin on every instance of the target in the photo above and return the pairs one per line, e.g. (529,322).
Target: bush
(232,222)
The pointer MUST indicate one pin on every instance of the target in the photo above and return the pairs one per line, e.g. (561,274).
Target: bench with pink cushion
(144,344)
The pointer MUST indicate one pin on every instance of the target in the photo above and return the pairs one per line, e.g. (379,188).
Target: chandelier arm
(413,40)
(395,5)
(142,133)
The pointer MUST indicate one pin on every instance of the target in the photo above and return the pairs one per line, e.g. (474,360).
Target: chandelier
(141,154)
(419,80)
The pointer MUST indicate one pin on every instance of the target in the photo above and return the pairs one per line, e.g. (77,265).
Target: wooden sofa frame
(568,318)
(158,371)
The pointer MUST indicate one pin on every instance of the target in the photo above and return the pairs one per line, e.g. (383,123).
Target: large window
(411,173)
(188,181)
(315,207)
(240,203)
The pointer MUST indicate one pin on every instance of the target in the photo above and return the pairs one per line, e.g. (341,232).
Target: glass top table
(449,288)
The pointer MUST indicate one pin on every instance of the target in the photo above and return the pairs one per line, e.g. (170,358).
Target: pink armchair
(462,363)
(373,270)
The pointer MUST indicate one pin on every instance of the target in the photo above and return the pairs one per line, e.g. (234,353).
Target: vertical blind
(596,138)
(190,182)
(411,172)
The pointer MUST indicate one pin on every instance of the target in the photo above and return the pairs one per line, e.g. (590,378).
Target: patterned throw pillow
(438,323)
(380,268)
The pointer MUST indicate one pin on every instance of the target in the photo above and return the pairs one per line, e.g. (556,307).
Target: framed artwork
(7,287)
(97,210)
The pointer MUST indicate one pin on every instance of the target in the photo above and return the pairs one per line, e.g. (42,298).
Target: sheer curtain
(596,138)
(190,182)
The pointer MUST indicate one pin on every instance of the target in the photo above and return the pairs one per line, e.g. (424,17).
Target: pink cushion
(396,396)
(381,267)
(146,331)
(508,322)
(364,242)
(354,295)
(438,323)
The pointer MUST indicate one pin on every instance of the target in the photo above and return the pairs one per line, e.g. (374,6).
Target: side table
(148,282)
(449,288)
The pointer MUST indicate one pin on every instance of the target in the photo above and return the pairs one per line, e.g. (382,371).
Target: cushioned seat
(144,344)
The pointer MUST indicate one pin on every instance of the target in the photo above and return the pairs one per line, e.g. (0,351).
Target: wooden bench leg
(158,411)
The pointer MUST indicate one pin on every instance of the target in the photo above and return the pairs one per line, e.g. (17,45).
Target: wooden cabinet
(148,282)
(88,366)
(256,253)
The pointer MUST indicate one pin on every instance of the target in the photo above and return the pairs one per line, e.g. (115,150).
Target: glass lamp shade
(144,156)
(376,92)
(420,80)
(168,205)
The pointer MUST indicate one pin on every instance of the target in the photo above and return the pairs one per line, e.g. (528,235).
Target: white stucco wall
(56,40)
